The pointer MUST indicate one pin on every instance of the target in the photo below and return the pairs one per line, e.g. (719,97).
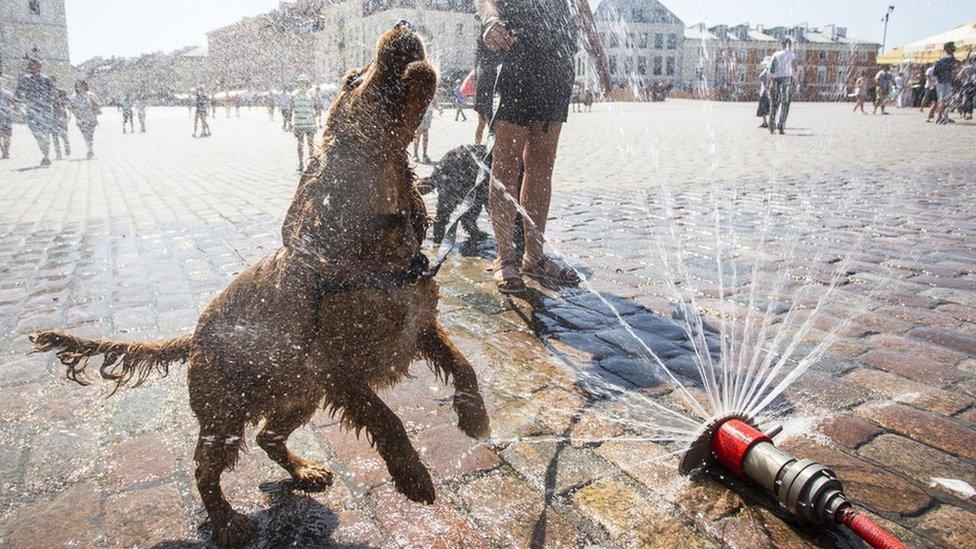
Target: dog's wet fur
(280,342)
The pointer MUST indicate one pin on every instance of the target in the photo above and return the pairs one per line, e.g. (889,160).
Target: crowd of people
(47,110)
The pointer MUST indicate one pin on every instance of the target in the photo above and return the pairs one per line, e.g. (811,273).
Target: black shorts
(535,85)
(930,95)
(485,77)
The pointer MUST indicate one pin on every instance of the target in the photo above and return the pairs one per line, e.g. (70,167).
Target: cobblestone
(136,242)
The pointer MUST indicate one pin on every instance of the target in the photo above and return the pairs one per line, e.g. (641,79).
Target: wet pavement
(135,243)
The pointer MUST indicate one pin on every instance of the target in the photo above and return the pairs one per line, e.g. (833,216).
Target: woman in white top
(84,105)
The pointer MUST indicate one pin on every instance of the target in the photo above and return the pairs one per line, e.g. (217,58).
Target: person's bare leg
(539,159)
(416,144)
(506,161)
(425,137)
(5,147)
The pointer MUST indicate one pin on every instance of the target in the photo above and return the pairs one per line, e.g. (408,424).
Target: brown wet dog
(330,317)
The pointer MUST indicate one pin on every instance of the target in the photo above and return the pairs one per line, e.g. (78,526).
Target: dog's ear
(419,85)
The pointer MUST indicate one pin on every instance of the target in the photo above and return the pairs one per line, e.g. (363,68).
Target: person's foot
(91,155)
(57,156)
(781,132)
(45,161)
(5,156)
(301,167)
(764,125)
(547,269)
(426,159)
(507,279)
(772,129)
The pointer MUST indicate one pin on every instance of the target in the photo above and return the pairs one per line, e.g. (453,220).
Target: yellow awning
(929,50)
(893,57)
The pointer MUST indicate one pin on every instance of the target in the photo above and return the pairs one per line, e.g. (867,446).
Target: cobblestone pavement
(136,242)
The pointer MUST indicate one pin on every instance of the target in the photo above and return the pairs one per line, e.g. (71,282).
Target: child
(860,94)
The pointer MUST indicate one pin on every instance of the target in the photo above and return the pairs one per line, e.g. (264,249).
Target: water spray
(807,489)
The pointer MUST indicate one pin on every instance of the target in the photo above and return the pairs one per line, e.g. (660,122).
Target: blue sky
(130,27)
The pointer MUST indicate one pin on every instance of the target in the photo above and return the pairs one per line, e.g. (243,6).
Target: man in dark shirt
(944,70)
(537,40)
(36,90)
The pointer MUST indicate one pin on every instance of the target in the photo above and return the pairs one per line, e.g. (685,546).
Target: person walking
(270,103)
(944,70)
(59,130)
(538,39)
(36,90)
(283,100)
(85,106)
(8,107)
(763,110)
(422,137)
(127,114)
(780,84)
(929,97)
(140,107)
(883,82)
(303,121)
(202,105)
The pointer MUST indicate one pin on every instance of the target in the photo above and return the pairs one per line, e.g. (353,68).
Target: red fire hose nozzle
(804,487)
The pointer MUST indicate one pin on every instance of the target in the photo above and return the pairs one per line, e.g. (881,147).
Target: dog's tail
(127,364)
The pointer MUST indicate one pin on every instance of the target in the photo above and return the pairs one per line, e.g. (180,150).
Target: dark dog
(335,314)
(453,177)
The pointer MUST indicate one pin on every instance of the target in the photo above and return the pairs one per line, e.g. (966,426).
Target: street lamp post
(884,37)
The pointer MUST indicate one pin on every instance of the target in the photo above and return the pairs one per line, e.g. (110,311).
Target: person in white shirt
(84,105)
(901,90)
(930,97)
(763,110)
(779,82)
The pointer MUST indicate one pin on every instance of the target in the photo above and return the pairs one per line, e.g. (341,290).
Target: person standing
(270,103)
(944,70)
(85,106)
(929,97)
(59,131)
(763,110)
(780,84)
(538,39)
(967,81)
(127,114)
(901,90)
(860,94)
(459,102)
(140,107)
(284,105)
(201,103)
(303,121)
(8,106)
(319,100)
(422,137)
(883,82)
(37,91)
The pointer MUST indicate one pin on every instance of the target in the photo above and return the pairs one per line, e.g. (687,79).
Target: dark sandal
(548,269)
(507,279)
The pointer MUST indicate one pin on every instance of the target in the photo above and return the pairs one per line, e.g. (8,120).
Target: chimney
(830,31)
(841,32)
(761,28)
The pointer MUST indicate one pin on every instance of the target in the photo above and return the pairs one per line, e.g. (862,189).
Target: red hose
(866,529)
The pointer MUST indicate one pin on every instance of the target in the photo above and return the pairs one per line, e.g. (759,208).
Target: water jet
(807,489)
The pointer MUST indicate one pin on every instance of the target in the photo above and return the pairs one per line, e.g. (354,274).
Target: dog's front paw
(472,417)
(413,481)
(311,477)
(234,531)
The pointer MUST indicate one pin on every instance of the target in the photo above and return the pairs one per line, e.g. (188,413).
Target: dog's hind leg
(446,360)
(217,450)
(272,438)
(361,408)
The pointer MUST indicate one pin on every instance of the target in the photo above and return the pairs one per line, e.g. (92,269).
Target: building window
(643,40)
(670,66)
(672,41)
(823,55)
(657,66)
(642,66)
(34,6)
(460,29)
(612,64)
(638,15)
(659,41)
(614,42)
(821,75)
(628,66)
(630,40)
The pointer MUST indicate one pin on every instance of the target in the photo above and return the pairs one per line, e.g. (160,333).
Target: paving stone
(75,512)
(144,516)
(918,367)
(142,459)
(448,452)
(412,524)
(950,525)
(903,390)
(942,433)
(848,430)
(952,339)
(511,514)
(918,461)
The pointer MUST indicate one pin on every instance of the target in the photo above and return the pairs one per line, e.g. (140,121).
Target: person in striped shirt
(303,122)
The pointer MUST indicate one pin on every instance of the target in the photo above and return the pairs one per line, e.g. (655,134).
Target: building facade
(157,75)
(34,28)
(643,43)
(723,62)
(352,28)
